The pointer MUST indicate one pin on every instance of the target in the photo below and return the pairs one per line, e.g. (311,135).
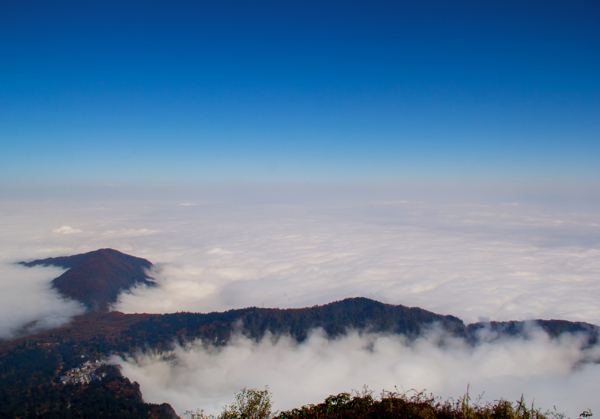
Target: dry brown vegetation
(256,404)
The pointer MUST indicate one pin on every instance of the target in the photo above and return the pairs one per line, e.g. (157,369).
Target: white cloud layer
(495,262)
(205,377)
(490,261)
(472,261)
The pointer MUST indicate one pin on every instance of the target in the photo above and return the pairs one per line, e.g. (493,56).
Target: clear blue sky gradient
(142,92)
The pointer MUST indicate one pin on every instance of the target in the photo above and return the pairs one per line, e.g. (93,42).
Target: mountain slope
(97,278)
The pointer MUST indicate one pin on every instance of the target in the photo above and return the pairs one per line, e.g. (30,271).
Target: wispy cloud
(206,377)
(67,230)
(27,303)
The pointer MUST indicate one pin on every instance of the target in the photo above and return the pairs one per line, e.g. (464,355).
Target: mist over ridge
(556,372)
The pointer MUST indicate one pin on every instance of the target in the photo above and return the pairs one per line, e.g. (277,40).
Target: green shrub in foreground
(256,404)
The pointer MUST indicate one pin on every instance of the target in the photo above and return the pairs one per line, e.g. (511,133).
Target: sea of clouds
(499,260)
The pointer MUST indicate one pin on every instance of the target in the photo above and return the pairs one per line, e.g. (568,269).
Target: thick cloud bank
(499,262)
(496,261)
(554,372)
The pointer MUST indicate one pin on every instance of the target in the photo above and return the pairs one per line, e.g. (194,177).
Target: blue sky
(144,93)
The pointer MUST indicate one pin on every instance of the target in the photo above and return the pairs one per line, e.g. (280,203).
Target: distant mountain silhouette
(97,278)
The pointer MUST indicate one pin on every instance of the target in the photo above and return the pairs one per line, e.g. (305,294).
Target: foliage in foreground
(249,404)
(256,404)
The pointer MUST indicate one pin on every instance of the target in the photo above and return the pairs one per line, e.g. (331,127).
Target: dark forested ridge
(102,332)
(97,278)
(334,318)
(30,367)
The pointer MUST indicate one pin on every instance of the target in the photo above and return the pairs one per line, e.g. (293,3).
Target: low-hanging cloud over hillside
(553,372)
(28,304)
